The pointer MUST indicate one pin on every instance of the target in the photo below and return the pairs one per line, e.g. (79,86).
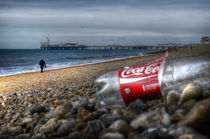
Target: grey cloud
(92,22)
(123,18)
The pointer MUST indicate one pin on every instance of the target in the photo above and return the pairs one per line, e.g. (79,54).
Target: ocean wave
(55,60)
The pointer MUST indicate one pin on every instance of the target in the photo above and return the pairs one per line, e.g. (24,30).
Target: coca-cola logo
(148,69)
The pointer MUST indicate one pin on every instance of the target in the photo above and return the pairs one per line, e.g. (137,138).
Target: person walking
(42,64)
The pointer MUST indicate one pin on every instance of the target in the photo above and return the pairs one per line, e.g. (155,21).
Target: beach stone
(138,105)
(90,116)
(93,100)
(68,115)
(26,120)
(15,130)
(176,117)
(98,113)
(79,126)
(134,135)
(77,104)
(158,132)
(172,97)
(189,104)
(38,136)
(109,118)
(77,135)
(172,108)
(13,94)
(122,127)
(183,132)
(15,117)
(118,124)
(95,126)
(198,117)
(89,106)
(112,136)
(74,110)
(50,127)
(67,107)
(150,119)
(58,113)
(37,109)
(49,89)
(191,91)
(83,113)
(64,128)
(117,111)
(206,93)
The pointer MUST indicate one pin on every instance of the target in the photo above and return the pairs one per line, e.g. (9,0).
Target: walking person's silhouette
(42,64)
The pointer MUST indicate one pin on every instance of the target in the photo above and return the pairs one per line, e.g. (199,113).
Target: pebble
(58,113)
(95,126)
(172,108)
(109,118)
(150,119)
(64,127)
(176,117)
(172,97)
(117,111)
(118,124)
(38,136)
(191,91)
(158,132)
(77,135)
(50,127)
(122,127)
(89,106)
(198,117)
(37,109)
(189,104)
(183,132)
(15,130)
(138,104)
(66,112)
(112,136)
(26,120)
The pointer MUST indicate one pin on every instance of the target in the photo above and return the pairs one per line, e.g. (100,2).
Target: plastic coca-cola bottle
(118,88)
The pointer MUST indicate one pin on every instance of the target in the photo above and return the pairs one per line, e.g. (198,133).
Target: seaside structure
(75,46)
(205,40)
(61,46)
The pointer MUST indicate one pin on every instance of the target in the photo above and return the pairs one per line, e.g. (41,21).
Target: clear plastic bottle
(119,88)
(176,74)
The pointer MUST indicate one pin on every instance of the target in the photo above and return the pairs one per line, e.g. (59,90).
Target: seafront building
(205,40)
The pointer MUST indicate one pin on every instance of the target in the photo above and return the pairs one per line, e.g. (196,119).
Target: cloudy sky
(26,23)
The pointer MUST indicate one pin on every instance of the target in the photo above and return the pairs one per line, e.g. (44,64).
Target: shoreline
(56,77)
(117,59)
(63,103)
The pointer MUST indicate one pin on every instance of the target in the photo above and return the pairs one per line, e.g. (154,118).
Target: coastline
(37,80)
(62,103)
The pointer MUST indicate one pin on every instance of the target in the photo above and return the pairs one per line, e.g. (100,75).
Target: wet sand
(76,76)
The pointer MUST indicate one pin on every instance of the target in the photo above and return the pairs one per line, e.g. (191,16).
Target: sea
(17,61)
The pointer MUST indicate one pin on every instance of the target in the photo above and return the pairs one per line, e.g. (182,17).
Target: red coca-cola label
(140,82)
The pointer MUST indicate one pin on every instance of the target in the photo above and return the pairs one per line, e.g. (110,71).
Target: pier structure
(83,47)
(56,47)
(75,46)
(61,46)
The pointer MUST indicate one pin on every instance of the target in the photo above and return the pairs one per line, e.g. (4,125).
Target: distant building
(205,40)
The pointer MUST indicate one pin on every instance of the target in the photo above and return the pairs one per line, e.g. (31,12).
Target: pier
(146,47)
(75,46)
